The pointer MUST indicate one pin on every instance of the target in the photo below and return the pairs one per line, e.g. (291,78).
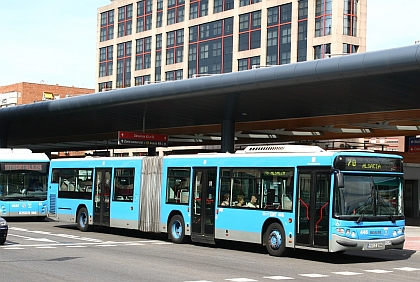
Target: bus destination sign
(369,163)
(142,139)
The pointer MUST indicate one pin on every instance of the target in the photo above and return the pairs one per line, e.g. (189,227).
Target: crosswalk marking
(279,277)
(407,268)
(378,271)
(314,275)
(240,279)
(347,273)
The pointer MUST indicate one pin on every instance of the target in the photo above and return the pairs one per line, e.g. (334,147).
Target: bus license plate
(374,246)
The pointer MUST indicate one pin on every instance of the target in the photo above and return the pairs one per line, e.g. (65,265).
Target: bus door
(203,205)
(313,205)
(101,208)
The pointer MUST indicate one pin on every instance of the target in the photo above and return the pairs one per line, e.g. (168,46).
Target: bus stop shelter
(370,94)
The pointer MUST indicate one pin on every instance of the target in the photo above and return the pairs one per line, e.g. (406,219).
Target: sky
(54,41)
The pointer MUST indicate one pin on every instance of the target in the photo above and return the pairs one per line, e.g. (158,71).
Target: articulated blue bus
(23,183)
(283,197)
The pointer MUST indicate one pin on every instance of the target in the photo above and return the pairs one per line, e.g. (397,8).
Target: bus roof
(21,155)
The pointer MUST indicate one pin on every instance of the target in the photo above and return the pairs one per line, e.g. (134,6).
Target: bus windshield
(372,197)
(23,185)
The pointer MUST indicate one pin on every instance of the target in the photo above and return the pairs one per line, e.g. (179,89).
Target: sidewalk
(412,234)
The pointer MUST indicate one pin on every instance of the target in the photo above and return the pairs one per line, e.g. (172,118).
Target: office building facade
(150,41)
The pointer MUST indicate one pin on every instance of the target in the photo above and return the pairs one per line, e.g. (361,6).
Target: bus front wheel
(177,229)
(83,220)
(275,240)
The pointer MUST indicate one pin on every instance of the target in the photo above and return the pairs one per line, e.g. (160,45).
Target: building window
(159,13)
(247,63)
(279,32)
(350,18)
(105,61)
(159,41)
(123,65)
(176,11)
(107,26)
(223,5)
(144,15)
(302,43)
(210,49)
(250,31)
(199,8)
(174,75)
(349,48)
(248,2)
(323,17)
(158,63)
(125,20)
(321,51)
(174,46)
(143,53)
(141,80)
(104,86)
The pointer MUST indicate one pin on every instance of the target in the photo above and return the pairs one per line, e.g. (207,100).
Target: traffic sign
(141,139)
(414,145)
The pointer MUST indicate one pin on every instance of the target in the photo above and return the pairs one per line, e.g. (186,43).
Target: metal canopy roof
(371,94)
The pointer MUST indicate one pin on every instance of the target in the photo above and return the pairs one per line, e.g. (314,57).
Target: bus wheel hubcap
(274,239)
(176,229)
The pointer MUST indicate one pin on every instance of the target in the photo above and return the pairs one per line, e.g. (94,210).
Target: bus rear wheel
(83,220)
(2,241)
(177,229)
(275,240)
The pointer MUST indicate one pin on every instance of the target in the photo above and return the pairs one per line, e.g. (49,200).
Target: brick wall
(30,92)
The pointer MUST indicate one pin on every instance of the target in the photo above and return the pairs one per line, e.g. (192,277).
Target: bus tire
(83,220)
(275,240)
(177,229)
(2,241)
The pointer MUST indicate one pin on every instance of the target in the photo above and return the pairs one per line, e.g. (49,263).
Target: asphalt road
(53,251)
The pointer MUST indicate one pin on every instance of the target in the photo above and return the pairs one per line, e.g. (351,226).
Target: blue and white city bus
(23,183)
(283,197)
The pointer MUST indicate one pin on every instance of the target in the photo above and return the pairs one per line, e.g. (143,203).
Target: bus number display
(368,164)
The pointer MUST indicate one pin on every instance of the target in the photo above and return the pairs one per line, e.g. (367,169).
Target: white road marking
(407,268)
(33,239)
(313,275)
(347,273)
(278,277)
(241,280)
(378,271)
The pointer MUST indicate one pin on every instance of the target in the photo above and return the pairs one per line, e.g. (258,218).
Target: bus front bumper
(340,244)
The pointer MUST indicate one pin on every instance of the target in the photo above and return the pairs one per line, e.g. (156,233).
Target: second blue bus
(23,183)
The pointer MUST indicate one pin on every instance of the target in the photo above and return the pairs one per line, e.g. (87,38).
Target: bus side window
(178,185)
(123,184)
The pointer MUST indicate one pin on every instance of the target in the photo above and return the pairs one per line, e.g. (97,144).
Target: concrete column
(228,123)
(151,151)
(3,142)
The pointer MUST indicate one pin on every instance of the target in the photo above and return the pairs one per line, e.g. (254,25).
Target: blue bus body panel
(23,208)
(236,223)
(122,214)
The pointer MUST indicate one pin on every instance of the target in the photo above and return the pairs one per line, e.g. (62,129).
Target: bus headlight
(399,231)
(353,234)
(3,222)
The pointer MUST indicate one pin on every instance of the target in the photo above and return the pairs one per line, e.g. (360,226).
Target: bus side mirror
(339,179)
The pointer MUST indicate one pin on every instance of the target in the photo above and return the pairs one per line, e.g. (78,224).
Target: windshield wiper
(386,205)
(364,207)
